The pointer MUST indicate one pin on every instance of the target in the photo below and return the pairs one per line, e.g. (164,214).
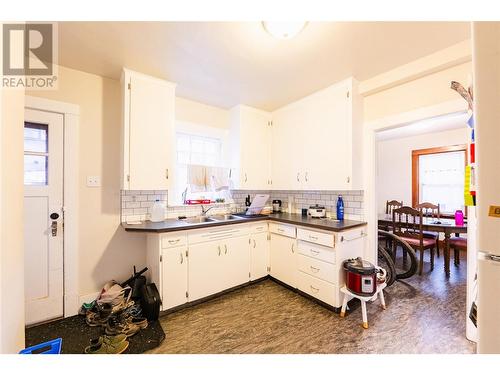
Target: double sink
(206,219)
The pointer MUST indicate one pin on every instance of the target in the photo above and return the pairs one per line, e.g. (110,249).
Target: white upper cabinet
(148,141)
(317,141)
(250,148)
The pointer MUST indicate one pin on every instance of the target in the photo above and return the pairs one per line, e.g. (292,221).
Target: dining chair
(430,210)
(458,244)
(407,224)
(391,205)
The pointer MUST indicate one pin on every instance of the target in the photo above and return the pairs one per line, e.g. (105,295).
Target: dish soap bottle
(157,211)
(340,208)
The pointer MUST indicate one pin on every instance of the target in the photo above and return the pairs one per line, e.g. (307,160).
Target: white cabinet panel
(317,141)
(174,276)
(250,144)
(283,259)
(317,288)
(235,262)
(259,255)
(205,268)
(148,142)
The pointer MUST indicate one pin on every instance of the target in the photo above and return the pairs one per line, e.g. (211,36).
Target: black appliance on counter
(276,205)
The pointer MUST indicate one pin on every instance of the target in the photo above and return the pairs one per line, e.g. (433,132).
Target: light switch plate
(93,181)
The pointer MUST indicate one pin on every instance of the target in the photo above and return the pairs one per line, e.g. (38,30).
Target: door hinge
(187,295)
(348,94)
(129,86)
(249,275)
(166,173)
(268,237)
(161,258)
(128,178)
(187,253)
(268,269)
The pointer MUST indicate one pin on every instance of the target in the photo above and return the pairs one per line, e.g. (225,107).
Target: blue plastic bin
(49,347)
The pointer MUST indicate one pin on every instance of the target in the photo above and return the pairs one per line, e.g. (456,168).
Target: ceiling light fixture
(284,30)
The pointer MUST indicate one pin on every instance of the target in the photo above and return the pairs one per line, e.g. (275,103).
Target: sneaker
(103,346)
(113,340)
(141,322)
(98,315)
(116,326)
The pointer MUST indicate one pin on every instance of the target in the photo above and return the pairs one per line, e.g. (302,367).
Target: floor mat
(76,334)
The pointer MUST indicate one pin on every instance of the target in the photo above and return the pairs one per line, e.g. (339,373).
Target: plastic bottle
(340,208)
(459,218)
(157,211)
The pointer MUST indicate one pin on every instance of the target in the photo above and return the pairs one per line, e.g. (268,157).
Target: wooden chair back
(391,205)
(429,210)
(407,222)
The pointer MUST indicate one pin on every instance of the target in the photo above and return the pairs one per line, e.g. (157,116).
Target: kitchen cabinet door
(259,255)
(328,123)
(205,269)
(148,141)
(174,277)
(250,147)
(287,149)
(235,262)
(283,259)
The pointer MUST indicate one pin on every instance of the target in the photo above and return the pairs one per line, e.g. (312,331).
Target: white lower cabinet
(259,255)
(190,265)
(205,267)
(283,259)
(174,276)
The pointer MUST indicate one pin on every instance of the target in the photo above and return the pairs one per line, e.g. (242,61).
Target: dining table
(432,224)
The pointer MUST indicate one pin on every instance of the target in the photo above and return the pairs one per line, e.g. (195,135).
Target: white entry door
(43,215)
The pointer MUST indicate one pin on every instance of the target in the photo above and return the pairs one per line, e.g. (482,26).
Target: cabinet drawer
(317,288)
(321,238)
(317,268)
(218,233)
(173,239)
(258,227)
(284,230)
(326,254)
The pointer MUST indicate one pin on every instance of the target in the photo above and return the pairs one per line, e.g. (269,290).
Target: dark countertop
(172,225)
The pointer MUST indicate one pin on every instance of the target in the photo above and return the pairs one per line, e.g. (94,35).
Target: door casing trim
(71,119)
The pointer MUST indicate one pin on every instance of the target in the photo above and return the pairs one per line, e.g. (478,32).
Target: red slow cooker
(361,276)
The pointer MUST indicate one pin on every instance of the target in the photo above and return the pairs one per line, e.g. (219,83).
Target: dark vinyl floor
(425,314)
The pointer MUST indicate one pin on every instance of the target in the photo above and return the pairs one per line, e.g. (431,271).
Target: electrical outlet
(93,181)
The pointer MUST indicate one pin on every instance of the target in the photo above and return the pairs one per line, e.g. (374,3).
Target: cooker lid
(359,266)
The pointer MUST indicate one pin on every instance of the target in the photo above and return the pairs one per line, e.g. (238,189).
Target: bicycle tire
(390,268)
(409,251)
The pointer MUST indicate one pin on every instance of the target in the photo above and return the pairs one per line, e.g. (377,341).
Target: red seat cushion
(458,242)
(415,242)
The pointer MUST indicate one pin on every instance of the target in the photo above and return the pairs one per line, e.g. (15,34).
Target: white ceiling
(431,125)
(227,63)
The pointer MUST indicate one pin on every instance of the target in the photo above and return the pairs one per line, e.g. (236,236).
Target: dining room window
(438,177)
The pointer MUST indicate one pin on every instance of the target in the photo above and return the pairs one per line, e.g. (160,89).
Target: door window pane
(36,154)
(35,169)
(35,137)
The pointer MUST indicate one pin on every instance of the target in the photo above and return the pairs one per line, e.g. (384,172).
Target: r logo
(28,49)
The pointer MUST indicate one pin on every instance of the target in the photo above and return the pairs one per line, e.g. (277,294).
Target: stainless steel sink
(225,217)
(198,220)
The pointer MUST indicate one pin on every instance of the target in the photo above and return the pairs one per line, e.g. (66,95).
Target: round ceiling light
(284,30)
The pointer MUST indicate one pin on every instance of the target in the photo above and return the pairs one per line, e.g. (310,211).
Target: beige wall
(11,222)
(106,251)
(202,114)
(426,91)
(393,178)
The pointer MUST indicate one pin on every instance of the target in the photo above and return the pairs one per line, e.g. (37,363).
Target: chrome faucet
(204,212)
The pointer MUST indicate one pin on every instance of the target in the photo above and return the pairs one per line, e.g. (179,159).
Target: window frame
(415,172)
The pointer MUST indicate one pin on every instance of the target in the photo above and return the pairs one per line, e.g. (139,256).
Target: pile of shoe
(118,315)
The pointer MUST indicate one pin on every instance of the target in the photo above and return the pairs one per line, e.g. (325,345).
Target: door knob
(54,216)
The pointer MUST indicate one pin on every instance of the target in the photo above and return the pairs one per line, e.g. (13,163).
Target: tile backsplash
(353,200)
(136,204)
